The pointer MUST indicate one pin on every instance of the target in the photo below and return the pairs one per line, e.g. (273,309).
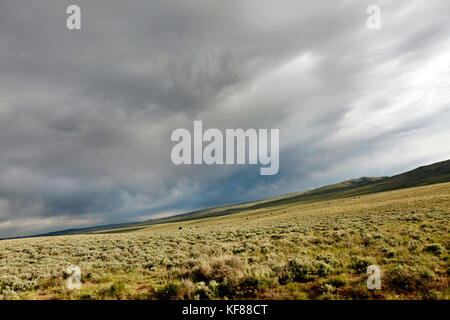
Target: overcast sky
(86,115)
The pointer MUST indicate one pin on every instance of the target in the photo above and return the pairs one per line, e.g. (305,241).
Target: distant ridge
(431,174)
(438,172)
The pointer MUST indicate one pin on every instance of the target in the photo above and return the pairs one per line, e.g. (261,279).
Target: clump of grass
(338,281)
(360,264)
(405,277)
(304,270)
(116,290)
(260,279)
(204,292)
(168,291)
(436,248)
(46,284)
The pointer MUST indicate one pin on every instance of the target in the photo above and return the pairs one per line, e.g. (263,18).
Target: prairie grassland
(317,250)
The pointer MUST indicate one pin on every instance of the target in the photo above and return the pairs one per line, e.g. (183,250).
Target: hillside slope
(430,174)
(434,173)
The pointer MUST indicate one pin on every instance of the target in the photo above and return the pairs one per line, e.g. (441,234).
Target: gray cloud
(86,116)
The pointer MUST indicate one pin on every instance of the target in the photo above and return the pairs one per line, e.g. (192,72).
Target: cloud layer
(86,116)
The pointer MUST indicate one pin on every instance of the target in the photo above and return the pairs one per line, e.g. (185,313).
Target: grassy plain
(291,250)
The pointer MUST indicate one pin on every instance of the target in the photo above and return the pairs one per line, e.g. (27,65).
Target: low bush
(435,248)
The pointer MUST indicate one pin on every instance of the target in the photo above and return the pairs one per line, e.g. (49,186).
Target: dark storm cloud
(86,116)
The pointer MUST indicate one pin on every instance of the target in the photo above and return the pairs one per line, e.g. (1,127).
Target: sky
(86,115)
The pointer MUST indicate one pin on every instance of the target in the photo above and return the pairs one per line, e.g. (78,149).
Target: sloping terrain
(294,250)
(425,175)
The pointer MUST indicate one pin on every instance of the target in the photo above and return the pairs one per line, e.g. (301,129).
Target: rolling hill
(295,246)
(425,175)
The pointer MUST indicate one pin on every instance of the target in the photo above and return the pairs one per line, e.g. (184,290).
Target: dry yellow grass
(317,250)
